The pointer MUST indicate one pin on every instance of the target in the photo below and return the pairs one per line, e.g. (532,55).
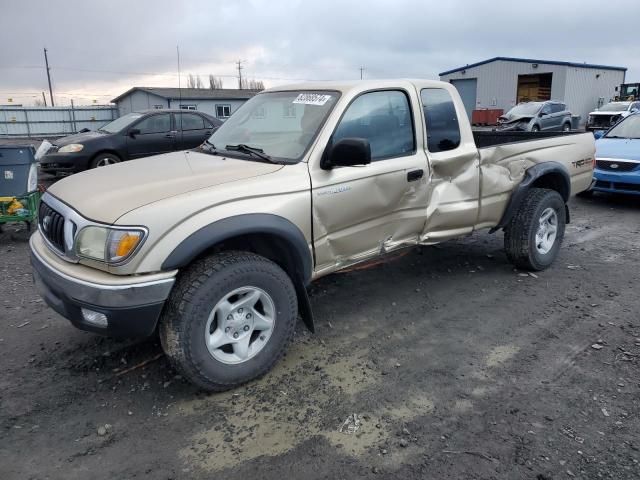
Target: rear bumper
(625,182)
(131,310)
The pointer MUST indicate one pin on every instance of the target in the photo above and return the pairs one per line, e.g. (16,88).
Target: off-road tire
(96,161)
(520,233)
(197,290)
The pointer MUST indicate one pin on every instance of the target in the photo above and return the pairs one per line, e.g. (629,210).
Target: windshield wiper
(209,147)
(257,152)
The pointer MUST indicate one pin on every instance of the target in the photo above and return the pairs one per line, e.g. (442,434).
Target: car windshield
(614,107)
(120,123)
(628,128)
(281,125)
(525,109)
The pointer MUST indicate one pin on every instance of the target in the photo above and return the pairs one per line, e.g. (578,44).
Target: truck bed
(485,138)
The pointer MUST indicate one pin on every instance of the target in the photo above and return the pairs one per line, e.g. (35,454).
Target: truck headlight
(110,245)
(71,148)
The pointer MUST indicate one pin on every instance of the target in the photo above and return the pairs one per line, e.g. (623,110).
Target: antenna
(239,64)
(179,93)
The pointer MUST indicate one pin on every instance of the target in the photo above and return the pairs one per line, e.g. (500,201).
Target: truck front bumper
(114,309)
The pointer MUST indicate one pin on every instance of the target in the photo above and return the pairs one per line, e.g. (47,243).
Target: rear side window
(443,130)
(155,124)
(190,121)
(384,119)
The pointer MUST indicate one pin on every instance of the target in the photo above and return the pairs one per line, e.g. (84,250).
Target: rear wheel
(533,237)
(104,160)
(229,319)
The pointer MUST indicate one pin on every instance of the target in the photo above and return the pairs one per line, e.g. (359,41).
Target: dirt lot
(455,365)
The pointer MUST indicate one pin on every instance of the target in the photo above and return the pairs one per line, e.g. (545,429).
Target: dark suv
(135,135)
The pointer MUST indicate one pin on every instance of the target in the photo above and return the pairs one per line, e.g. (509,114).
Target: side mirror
(84,130)
(133,132)
(543,114)
(347,152)
(598,134)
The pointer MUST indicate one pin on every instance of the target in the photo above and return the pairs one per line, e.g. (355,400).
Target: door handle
(414,175)
(169,135)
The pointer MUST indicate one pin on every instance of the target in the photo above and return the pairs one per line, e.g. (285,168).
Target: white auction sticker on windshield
(312,99)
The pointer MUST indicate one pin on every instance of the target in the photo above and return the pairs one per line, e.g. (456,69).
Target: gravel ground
(443,363)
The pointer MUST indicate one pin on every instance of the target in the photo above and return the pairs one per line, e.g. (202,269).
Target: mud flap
(304,306)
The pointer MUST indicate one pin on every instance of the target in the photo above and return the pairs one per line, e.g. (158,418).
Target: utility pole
(361,72)
(46,62)
(44,99)
(239,63)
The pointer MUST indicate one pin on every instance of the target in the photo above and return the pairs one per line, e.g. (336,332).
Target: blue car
(618,158)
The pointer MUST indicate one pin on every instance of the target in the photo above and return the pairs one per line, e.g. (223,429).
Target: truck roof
(345,86)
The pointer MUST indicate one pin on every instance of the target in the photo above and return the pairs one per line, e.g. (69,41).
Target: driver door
(155,136)
(363,211)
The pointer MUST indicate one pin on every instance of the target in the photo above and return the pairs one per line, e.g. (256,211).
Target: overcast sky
(97,50)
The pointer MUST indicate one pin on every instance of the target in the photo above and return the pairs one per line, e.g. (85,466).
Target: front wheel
(229,319)
(104,160)
(535,128)
(533,236)
(566,127)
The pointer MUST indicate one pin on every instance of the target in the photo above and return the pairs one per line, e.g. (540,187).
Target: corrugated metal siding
(42,121)
(585,86)
(498,82)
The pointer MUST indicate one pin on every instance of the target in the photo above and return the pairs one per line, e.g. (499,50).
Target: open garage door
(534,88)
(467,89)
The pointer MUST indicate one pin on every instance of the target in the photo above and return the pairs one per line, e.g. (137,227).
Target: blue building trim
(531,60)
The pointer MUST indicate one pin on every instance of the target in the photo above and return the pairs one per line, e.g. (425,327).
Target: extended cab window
(383,118)
(155,124)
(443,131)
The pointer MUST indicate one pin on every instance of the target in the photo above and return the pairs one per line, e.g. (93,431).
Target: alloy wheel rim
(103,162)
(547,230)
(240,325)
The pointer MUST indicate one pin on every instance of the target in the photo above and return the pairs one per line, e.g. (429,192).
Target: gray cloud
(98,50)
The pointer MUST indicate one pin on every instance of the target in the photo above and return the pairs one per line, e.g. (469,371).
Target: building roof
(531,60)
(192,93)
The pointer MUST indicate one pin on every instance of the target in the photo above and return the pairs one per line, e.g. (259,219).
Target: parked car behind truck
(216,247)
(135,135)
(611,113)
(536,117)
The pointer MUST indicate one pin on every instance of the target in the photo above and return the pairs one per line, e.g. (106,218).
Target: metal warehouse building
(502,82)
(219,103)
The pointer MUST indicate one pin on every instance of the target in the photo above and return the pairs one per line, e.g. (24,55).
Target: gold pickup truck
(215,247)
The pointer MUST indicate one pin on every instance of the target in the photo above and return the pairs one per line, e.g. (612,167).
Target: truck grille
(616,166)
(603,121)
(52,226)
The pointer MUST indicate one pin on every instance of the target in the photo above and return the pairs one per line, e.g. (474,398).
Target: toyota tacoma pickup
(214,248)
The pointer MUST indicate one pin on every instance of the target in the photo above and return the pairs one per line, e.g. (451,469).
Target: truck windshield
(628,128)
(525,109)
(281,125)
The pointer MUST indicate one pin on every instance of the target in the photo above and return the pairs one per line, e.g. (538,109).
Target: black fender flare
(254,223)
(530,176)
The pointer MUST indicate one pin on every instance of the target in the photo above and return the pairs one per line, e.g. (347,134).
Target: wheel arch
(269,235)
(551,175)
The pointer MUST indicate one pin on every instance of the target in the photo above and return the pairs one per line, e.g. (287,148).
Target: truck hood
(105,194)
(622,148)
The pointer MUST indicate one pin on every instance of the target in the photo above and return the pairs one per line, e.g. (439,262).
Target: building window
(223,111)
(289,111)
(158,107)
(188,107)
